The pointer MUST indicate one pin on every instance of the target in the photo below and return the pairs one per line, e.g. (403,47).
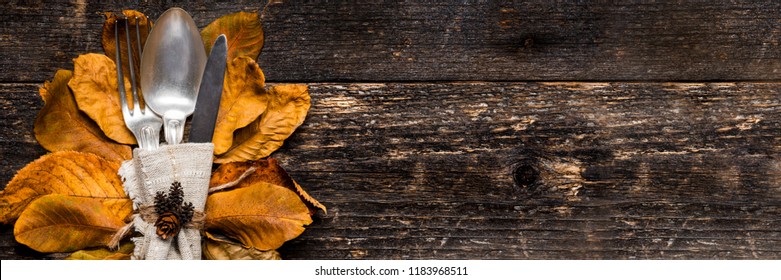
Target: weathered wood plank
(523,40)
(19,104)
(38,37)
(524,170)
(431,40)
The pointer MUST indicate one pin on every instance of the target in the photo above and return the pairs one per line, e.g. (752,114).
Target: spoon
(171,68)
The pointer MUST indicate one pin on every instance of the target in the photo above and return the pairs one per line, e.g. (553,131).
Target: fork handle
(150,138)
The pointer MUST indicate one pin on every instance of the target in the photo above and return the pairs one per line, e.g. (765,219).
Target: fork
(144,123)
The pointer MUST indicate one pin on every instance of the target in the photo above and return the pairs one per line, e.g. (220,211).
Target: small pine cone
(187,212)
(160,199)
(176,194)
(167,225)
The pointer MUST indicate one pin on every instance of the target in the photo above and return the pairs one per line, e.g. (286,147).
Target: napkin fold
(153,171)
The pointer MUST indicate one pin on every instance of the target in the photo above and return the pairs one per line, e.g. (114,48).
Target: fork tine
(120,77)
(140,51)
(133,88)
(138,38)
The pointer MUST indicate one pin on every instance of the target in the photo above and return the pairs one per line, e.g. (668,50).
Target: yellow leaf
(266,170)
(124,253)
(243,100)
(70,173)
(243,31)
(216,249)
(110,42)
(64,223)
(262,215)
(61,126)
(94,85)
(287,108)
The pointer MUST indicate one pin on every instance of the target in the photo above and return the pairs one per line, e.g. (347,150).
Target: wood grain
(494,170)
(451,130)
(430,40)
(554,170)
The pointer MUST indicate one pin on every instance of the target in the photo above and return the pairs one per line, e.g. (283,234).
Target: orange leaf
(243,31)
(64,223)
(124,252)
(94,85)
(287,108)
(135,18)
(217,249)
(262,215)
(60,125)
(243,100)
(71,173)
(266,170)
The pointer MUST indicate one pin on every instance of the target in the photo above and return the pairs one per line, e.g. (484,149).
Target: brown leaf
(124,253)
(243,31)
(94,85)
(266,170)
(287,108)
(65,223)
(61,126)
(262,215)
(243,100)
(70,173)
(218,249)
(135,18)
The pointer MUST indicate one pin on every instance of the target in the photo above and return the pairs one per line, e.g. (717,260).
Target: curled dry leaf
(219,249)
(70,173)
(94,85)
(61,126)
(65,223)
(135,19)
(261,215)
(266,170)
(243,100)
(243,31)
(124,253)
(287,108)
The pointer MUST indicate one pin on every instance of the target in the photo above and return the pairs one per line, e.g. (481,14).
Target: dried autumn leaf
(266,170)
(262,215)
(217,249)
(135,19)
(124,253)
(243,100)
(94,85)
(61,126)
(65,223)
(287,108)
(70,173)
(243,31)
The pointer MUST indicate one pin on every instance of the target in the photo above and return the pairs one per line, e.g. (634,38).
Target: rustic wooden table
(490,129)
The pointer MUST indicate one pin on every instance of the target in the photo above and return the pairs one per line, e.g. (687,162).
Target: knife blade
(209,93)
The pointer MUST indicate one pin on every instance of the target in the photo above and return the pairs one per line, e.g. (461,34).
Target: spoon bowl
(171,69)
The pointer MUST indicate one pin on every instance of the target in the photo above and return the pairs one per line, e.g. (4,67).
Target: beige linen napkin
(153,171)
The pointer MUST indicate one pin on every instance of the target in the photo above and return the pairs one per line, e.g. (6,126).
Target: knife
(209,93)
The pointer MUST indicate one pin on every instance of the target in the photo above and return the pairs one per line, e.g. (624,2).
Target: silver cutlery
(171,69)
(144,124)
(209,93)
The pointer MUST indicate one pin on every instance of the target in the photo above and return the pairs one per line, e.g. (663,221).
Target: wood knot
(526,175)
(528,43)
(549,177)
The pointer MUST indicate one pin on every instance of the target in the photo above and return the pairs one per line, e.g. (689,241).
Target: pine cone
(167,225)
(172,212)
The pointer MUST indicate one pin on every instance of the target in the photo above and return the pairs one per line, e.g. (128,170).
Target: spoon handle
(174,126)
